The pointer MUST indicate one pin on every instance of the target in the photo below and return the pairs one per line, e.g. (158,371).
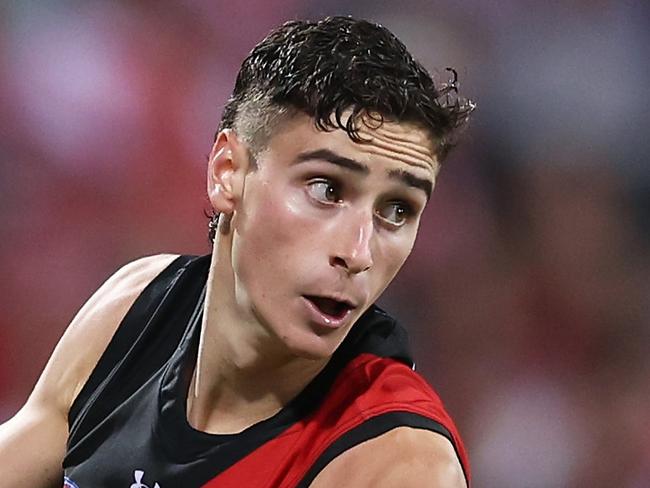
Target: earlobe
(226,168)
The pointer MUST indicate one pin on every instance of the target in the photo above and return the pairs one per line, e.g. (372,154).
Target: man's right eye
(323,190)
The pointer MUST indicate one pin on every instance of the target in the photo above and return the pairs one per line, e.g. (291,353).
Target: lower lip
(324,319)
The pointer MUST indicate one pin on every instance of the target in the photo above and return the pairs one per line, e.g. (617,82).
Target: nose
(352,245)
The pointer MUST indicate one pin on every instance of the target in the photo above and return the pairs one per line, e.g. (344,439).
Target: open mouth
(330,307)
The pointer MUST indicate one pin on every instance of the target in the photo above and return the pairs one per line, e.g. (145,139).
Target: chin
(309,345)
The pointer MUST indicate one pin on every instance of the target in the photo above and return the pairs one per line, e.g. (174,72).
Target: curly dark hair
(335,65)
(327,67)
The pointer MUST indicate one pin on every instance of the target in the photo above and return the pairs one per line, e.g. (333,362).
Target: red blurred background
(527,293)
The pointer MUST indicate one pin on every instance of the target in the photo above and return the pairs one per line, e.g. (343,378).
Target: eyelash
(407,208)
(331,183)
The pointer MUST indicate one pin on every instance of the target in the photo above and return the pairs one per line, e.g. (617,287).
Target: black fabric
(139,336)
(131,414)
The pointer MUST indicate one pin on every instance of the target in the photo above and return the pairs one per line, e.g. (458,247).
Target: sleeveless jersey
(129,428)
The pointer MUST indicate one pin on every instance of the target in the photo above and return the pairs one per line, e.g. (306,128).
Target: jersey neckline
(174,426)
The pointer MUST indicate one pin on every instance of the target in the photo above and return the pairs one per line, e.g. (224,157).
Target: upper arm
(403,457)
(32,443)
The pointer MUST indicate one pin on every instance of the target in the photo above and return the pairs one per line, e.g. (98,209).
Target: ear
(227,168)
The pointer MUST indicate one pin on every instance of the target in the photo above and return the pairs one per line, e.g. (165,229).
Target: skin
(325,229)
(403,457)
(32,443)
(315,214)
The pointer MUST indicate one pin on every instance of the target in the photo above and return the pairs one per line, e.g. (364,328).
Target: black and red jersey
(129,428)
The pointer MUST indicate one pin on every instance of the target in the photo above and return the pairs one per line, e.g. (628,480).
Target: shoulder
(403,457)
(91,330)
(37,434)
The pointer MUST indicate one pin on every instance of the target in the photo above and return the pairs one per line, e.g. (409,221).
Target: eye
(396,213)
(324,190)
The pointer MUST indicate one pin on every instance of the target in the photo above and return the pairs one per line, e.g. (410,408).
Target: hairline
(258,134)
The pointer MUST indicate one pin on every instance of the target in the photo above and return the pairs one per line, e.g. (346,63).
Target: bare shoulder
(91,330)
(403,457)
(32,442)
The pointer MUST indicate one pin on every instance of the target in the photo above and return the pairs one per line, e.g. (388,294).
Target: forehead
(397,143)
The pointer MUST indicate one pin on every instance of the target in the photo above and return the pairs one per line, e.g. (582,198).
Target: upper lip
(349,302)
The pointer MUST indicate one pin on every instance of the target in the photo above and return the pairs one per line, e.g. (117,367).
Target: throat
(213,416)
(224,399)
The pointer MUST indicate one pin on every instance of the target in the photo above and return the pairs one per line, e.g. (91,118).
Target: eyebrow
(401,175)
(332,157)
(411,180)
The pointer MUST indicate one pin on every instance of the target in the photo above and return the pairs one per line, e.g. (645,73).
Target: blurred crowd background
(527,293)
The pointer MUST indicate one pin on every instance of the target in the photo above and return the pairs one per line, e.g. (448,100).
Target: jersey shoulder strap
(128,342)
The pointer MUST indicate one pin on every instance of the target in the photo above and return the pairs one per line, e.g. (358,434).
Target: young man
(266,364)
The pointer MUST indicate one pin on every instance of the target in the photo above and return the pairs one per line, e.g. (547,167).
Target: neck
(243,374)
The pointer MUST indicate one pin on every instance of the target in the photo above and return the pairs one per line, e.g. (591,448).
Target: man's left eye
(396,213)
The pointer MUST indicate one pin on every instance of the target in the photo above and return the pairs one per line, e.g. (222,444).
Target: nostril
(337,261)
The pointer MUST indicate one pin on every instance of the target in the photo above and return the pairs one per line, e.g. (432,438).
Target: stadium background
(527,293)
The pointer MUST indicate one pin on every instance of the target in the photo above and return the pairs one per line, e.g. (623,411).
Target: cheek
(273,237)
(389,258)
(403,248)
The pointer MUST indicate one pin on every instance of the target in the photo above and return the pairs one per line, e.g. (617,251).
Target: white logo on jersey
(138,474)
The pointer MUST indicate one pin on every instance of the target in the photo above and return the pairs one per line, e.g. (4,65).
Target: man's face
(323,226)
